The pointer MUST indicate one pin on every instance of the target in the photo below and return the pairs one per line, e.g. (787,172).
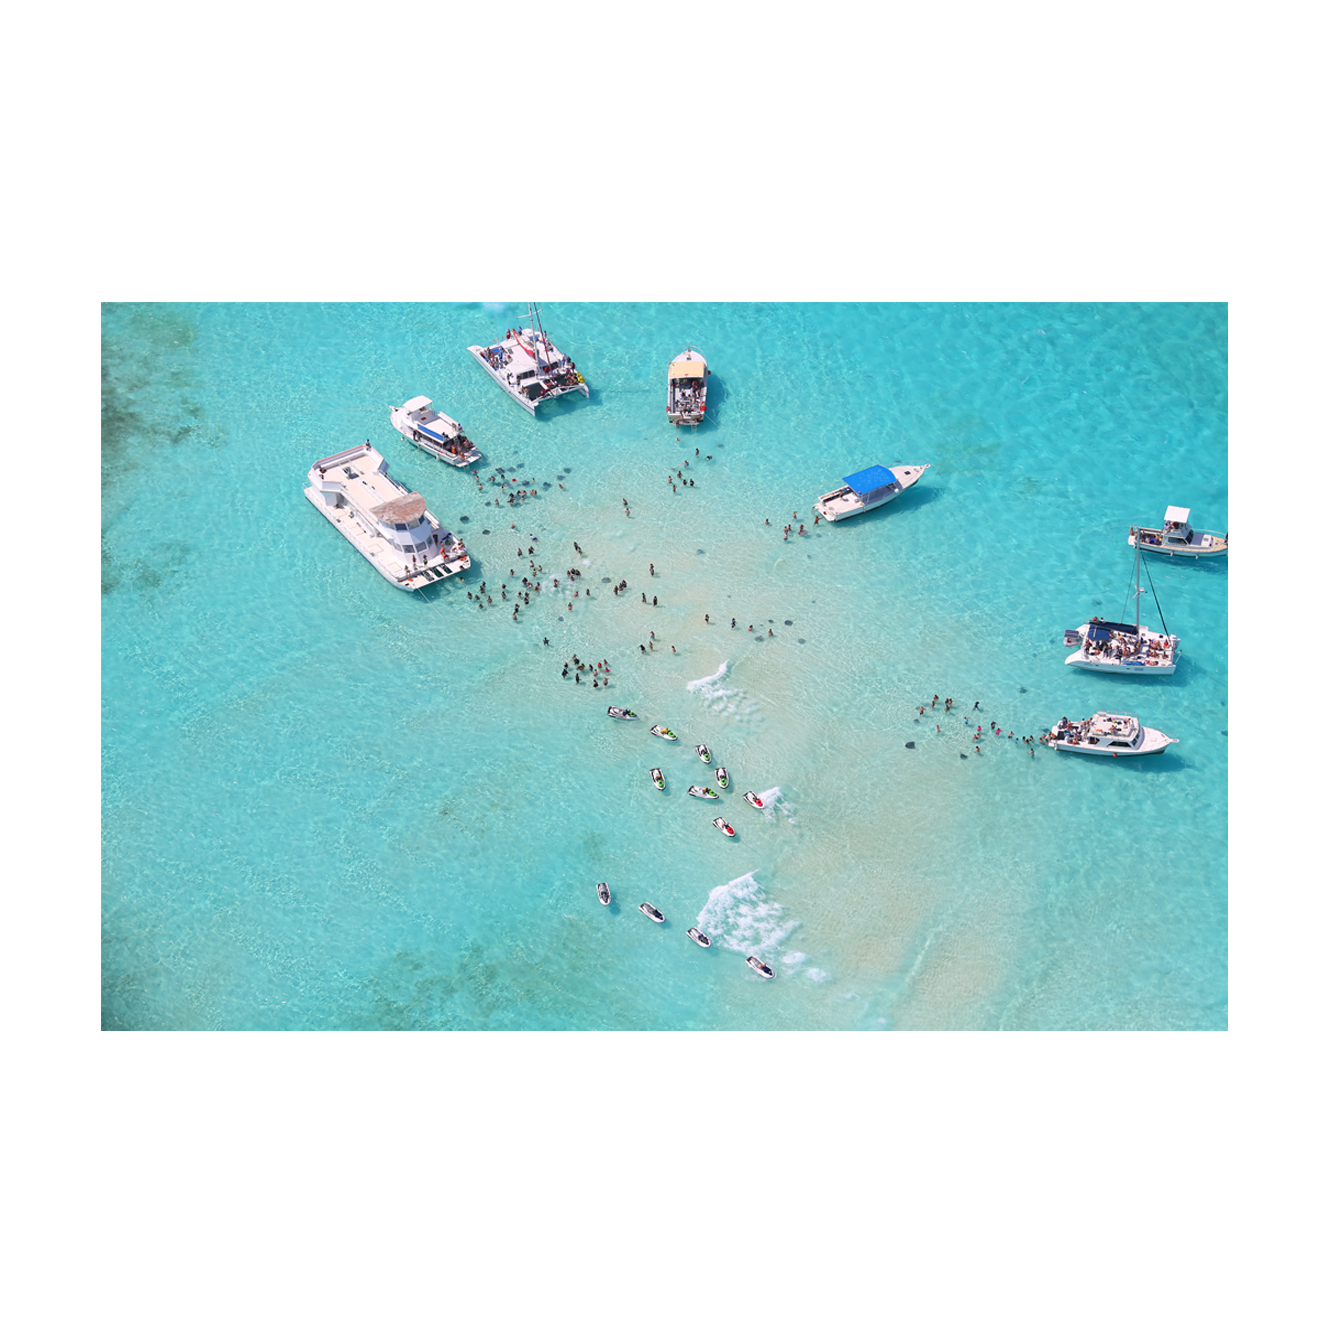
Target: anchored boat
(603,891)
(387,523)
(651,912)
(528,366)
(1124,648)
(704,753)
(663,733)
(1177,536)
(657,779)
(1106,734)
(702,792)
(722,778)
(869,488)
(686,388)
(433,432)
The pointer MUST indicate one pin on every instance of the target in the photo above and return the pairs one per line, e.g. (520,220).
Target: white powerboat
(657,779)
(702,792)
(651,912)
(869,488)
(603,891)
(528,366)
(661,732)
(1124,648)
(1106,734)
(387,523)
(699,937)
(1177,536)
(686,388)
(722,825)
(704,753)
(433,432)
(761,967)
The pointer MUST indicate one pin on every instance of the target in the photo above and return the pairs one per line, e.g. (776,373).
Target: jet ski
(751,798)
(657,779)
(651,912)
(702,792)
(722,778)
(699,937)
(704,753)
(620,713)
(603,891)
(665,733)
(723,825)
(761,967)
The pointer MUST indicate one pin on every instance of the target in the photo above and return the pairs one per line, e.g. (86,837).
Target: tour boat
(663,733)
(702,792)
(751,798)
(620,713)
(657,779)
(722,778)
(1106,734)
(699,937)
(603,891)
(870,488)
(1124,648)
(686,388)
(528,366)
(387,523)
(722,825)
(704,753)
(651,912)
(761,967)
(1177,536)
(433,432)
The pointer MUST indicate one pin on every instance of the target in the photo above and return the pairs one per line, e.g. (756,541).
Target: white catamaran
(528,366)
(1124,648)
(389,524)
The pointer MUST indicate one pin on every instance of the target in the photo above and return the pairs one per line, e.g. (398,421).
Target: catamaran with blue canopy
(869,488)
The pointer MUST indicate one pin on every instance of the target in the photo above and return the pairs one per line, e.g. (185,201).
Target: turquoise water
(330,804)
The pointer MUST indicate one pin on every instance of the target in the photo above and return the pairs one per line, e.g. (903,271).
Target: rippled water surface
(332,804)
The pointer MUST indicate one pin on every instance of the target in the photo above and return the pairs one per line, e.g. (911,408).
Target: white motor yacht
(1106,734)
(528,366)
(869,488)
(1178,536)
(1124,648)
(389,524)
(433,432)
(686,388)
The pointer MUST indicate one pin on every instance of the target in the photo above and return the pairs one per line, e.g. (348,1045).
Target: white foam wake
(739,916)
(714,694)
(772,802)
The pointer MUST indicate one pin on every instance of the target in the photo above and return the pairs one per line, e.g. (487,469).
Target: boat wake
(739,916)
(773,801)
(713,693)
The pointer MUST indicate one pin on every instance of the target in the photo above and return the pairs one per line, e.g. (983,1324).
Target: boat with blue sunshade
(869,488)
(433,432)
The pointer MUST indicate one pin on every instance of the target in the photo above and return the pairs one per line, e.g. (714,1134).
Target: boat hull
(1209,545)
(843,503)
(1140,669)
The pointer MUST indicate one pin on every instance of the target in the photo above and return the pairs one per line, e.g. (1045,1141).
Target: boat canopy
(866,482)
(415,404)
(1102,631)
(687,369)
(1177,515)
(406,509)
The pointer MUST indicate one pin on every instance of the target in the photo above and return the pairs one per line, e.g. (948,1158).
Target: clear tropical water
(332,804)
